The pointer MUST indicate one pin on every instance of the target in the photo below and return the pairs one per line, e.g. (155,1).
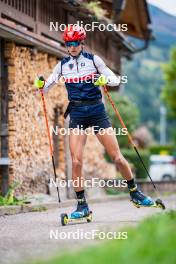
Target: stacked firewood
(28,141)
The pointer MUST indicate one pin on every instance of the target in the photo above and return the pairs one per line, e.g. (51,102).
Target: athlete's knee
(77,161)
(119,159)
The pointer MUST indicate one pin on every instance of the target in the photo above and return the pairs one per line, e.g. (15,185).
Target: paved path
(27,236)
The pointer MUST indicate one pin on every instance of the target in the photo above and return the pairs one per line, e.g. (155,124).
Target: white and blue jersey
(78,74)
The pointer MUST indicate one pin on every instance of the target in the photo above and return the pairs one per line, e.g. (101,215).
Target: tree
(129,113)
(169,89)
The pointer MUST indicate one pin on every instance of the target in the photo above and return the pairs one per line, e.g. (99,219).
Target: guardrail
(162,186)
(146,186)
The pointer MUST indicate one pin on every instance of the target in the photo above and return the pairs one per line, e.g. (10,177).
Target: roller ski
(140,200)
(81,214)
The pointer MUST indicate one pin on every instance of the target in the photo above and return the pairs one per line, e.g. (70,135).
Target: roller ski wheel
(160,204)
(64,219)
(89,217)
(136,204)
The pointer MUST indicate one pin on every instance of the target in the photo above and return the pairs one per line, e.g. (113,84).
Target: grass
(9,198)
(114,191)
(39,208)
(152,241)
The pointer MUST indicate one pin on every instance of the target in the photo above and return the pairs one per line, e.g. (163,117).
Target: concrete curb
(26,208)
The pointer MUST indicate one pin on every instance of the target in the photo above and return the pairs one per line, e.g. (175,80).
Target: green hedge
(157,149)
(132,158)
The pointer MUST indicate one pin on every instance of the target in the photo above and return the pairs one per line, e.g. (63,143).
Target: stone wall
(28,142)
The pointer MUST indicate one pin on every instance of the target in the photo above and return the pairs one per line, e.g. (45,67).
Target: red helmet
(74,33)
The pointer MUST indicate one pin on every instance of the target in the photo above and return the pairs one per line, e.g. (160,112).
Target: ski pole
(128,134)
(158,202)
(49,139)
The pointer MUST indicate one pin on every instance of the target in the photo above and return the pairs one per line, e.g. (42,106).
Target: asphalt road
(25,237)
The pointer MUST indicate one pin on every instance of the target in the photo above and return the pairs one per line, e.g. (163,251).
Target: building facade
(28,48)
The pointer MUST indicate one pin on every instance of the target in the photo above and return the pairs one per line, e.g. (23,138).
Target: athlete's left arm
(113,80)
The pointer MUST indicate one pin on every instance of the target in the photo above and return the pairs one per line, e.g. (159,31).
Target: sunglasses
(72,43)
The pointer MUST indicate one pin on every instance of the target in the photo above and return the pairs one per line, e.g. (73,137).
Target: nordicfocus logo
(79,130)
(87,183)
(123,79)
(95,25)
(90,235)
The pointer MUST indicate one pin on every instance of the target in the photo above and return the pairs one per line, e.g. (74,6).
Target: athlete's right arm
(112,79)
(53,78)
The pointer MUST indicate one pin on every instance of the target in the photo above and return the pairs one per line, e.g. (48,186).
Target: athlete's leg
(77,144)
(109,141)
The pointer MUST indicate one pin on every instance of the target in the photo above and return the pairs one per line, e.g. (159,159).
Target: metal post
(163,125)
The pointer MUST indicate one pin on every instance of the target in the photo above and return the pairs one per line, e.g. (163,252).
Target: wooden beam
(4,170)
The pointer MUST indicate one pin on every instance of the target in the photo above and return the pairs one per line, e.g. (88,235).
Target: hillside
(144,71)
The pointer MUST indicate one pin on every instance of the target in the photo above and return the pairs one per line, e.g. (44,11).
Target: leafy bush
(129,114)
(157,149)
(9,198)
(133,159)
(95,6)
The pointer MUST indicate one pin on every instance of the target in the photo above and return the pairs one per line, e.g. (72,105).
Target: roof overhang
(134,13)
(137,17)
(11,31)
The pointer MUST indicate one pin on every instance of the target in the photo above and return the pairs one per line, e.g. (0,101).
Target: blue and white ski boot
(82,209)
(81,213)
(141,200)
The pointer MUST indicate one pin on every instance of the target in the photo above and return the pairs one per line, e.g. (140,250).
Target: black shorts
(97,122)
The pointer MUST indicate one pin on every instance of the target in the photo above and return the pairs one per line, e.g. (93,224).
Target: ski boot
(82,209)
(82,212)
(140,200)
